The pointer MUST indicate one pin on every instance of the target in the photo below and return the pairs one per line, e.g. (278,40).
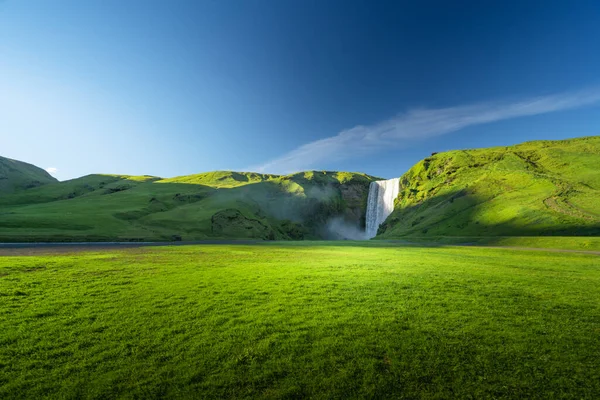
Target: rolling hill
(542,188)
(220,204)
(17,175)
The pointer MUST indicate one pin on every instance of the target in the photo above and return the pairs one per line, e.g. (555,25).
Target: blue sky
(178,87)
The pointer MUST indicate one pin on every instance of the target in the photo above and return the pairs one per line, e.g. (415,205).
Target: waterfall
(380,203)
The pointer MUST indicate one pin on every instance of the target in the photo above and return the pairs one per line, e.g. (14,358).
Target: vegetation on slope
(222,179)
(532,189)
(367,320)
(16,175)
(84,186)
(535,188)
(220,204)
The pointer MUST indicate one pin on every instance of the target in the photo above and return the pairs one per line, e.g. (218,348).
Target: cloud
(419,124)
(52,170)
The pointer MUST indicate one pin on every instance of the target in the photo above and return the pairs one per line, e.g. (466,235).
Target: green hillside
(548,188)
(17,175)
(544,188)
(222,179)
(221,204)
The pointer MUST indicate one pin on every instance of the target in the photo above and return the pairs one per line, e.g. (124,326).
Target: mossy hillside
(121,207)
(535,188)
(18,175)
(295,206)
(313,197)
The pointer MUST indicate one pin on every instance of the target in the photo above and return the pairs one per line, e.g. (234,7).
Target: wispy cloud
(419,124)
(52,170)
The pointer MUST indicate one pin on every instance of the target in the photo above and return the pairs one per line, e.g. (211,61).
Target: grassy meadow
(294,320)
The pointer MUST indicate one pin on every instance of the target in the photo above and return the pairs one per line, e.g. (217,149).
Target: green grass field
(582,243)
(295,320)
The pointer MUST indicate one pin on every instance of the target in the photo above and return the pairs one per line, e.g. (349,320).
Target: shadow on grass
(282,210)
(451,218)
(456,214)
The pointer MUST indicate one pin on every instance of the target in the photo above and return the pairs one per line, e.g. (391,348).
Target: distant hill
(220,204)
(544,188)
(535,188)
(17,175)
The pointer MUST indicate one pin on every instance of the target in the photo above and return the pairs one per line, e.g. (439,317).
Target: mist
(338,228)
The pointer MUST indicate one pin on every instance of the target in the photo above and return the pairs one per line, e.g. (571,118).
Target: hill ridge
(529,189)
(18,175)
(104,207)
(532,188)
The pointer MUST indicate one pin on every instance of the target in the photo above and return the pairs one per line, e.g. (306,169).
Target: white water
(380,203)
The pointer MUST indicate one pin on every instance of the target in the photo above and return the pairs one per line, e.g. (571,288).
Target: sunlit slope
(17,175)
(535,188)
(89,185)
(219,204)
(295,206)
(221,179)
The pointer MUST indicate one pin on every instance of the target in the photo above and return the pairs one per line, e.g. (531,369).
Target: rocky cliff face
(355,197)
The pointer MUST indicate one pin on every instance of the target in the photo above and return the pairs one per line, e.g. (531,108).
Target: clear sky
(170,88)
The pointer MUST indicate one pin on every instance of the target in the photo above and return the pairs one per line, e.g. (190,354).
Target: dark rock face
(355,197)
(232,223)
(292,230)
